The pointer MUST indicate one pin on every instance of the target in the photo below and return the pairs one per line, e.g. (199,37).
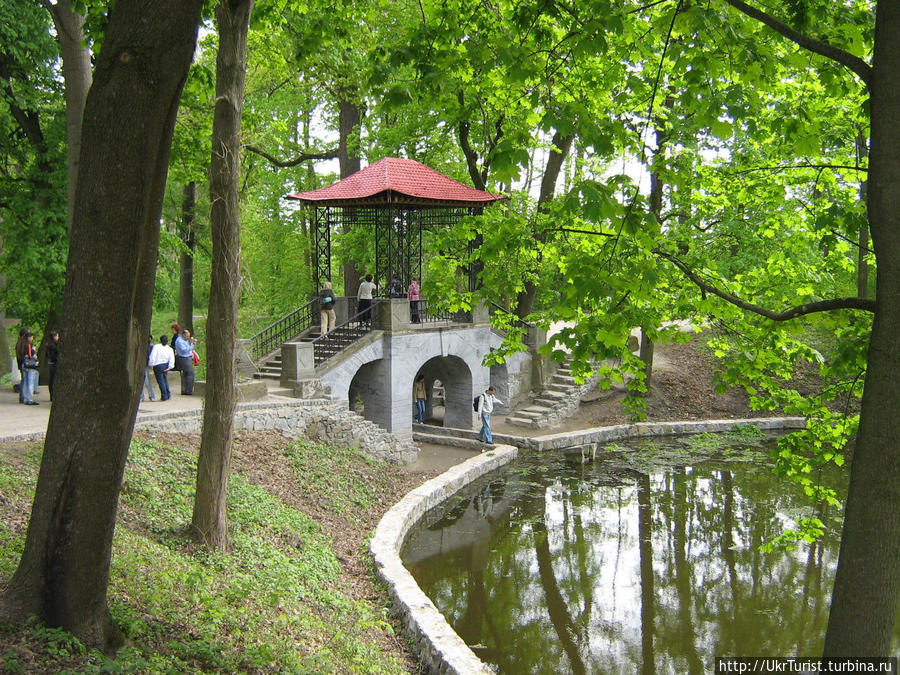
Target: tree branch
(299,159)
(784,167)
(862,69)
(863,304)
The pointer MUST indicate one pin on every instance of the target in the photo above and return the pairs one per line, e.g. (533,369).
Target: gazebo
(398,199)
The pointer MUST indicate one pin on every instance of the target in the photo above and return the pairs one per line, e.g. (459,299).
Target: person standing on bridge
(486,403)
(412,293)
(326,308)
(364,299)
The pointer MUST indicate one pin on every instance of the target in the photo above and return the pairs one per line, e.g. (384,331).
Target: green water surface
(643,561)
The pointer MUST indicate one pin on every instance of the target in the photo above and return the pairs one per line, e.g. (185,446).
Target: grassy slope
(277,602)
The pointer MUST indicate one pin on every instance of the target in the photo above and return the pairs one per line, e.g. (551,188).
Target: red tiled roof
(396,180)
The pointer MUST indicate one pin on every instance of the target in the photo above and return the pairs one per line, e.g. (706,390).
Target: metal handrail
(342,336)
(493,307)
(428,316)
(277,333)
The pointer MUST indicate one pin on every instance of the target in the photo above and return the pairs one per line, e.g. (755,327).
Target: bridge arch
(457,379)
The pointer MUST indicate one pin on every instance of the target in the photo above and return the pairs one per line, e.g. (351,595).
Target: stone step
(530,413)
(452,441)
(560,389)
(267,376)
(562,379)
(519,422)
(281,391)
(552,394)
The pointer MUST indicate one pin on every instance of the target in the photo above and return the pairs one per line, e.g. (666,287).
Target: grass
(274,603)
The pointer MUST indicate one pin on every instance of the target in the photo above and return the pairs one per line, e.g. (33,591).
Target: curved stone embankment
(436,643)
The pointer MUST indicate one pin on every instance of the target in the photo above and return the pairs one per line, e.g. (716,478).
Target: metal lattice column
(322,242)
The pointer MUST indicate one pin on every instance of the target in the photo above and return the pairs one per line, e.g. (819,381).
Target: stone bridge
(375,375)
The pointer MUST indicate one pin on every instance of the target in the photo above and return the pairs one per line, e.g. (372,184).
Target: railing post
(297,363)
(481,313)
(393,314)
(341,309)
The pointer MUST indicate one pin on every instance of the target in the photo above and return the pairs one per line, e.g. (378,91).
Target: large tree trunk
(862,265)
(558,153)
(349,118)
(867,583)
(210,521)
(186,276)
(76,62)
(128,122)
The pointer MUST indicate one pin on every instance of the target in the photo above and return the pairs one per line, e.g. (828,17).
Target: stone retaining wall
(438,646)
(436,643)
(318,420)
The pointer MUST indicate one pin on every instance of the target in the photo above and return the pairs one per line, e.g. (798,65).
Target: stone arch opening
(456,384)
(365,392)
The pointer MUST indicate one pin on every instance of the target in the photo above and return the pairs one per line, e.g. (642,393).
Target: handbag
(30,363)
(195,358)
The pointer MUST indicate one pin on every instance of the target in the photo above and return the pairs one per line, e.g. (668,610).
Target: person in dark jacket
(52,358)
(326,308)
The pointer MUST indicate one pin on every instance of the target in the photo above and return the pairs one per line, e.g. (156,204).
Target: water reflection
(632,563)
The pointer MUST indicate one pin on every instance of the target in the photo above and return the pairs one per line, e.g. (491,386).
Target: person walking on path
(184,361)
(52,358)
(147,370)
(162,360)
(486,403)
(419,395)
(326,308)
(412,293)
(20,354)
(364,299)
(28,387)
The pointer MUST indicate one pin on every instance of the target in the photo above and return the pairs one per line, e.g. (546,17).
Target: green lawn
(274,603)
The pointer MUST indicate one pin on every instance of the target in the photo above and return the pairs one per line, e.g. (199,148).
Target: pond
(645,559)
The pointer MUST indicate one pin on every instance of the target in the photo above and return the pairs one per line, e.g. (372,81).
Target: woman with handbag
(29,385)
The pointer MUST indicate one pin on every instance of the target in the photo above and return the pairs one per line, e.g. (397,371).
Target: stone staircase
(270,368)
(559,399)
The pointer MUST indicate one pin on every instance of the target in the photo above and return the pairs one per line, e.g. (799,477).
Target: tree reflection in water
(631,563)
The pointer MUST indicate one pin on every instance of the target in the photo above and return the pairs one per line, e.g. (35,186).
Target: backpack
(475,403)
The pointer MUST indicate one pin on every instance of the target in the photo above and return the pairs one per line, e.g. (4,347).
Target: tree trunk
(349,117)
(210,519)
(656,201)
(129,118)
(559,152)
(862,265)
(76,62)
(5,355)
(186,277)
(867,584)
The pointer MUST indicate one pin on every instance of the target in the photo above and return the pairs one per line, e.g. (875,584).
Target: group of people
(163,358)
(484,405)
(364,298)
(28,364)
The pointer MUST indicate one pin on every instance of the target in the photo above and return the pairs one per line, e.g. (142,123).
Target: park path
(20,421)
